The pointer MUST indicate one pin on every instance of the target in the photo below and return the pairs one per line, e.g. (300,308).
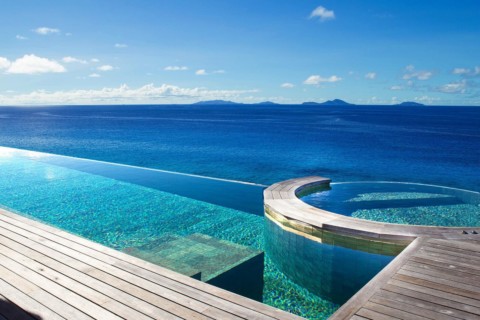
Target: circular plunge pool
(400,203)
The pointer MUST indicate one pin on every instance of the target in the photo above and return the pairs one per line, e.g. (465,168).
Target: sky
(162,52)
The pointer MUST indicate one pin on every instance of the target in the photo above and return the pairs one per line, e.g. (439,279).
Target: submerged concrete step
(222,263)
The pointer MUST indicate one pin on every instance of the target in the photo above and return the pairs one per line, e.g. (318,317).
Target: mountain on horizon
(409,104)
(334,102)
(216,102)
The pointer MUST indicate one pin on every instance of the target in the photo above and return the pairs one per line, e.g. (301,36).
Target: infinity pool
(210,229)
(401,203)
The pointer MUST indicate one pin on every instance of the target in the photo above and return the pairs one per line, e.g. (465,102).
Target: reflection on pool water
(209,229)
(402,203)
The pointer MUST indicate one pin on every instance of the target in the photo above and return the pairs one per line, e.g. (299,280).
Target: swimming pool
(211,229)
(400,203)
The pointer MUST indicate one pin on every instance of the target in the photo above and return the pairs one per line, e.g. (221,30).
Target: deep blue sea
(263,144)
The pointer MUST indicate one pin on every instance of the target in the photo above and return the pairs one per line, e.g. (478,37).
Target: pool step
(222,263)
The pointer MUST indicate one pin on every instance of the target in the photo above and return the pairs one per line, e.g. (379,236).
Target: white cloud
(94,60)
(454,87)
(124,94)
(396,88)
(105,67)
(203,72)
(411,73)
(4,63)
(322,13)
(467,72)
(461,71)
(72,60)
(316,79)
(426,99)
(94,75)
(31,64)
(175,68)
(287,85)
(371,75)
(44,31)
(120,45)
(20,37)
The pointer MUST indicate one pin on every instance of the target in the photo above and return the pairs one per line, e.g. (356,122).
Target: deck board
(49,273)
(431,279)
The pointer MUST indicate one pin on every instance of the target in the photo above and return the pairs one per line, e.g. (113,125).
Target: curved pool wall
(399,202)
(327,270)
(283,205)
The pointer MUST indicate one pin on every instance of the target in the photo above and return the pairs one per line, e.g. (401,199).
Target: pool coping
(281,204)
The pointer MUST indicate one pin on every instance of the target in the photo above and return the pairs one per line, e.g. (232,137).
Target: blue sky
(365,52)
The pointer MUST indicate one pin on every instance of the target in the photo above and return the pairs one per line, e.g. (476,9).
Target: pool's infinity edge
(283,206)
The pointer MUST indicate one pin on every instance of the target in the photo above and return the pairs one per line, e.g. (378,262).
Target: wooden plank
(392,312)
(79,272)
(36,293)
(57,290)
(434,292)
(100,299)
(93,248)
(360,298)
(276,195)
(370,314)
(445,259)
(410,305)
(172,302)
(26,302)
(441,273)
(355,317)
(428,282)
(444,266)
(462,245)
(451,253)
(455,250)
(430,302)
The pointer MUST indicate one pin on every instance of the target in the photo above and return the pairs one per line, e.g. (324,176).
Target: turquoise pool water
(402,203)
(148,212)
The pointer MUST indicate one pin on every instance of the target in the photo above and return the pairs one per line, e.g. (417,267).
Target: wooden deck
(431,279)
(46,273)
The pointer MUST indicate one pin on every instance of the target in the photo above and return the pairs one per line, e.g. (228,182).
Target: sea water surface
(263,143)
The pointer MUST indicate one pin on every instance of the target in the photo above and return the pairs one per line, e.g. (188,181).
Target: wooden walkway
(46,273)
(431,279)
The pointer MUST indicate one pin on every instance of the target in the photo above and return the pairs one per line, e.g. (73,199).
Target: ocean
(263,143)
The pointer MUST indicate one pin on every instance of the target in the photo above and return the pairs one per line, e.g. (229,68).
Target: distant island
(227,102)
(409,104)
(216,102)
(334,102)
(266,103)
